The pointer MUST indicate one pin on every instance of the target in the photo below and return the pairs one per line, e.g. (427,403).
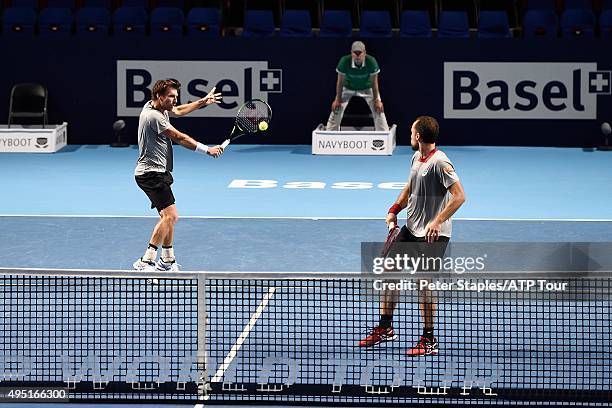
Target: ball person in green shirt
(357,76)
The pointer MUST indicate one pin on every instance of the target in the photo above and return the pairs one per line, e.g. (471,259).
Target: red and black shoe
(425,347)
(377,336)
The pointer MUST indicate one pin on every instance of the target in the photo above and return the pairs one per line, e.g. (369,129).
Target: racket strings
(251,115)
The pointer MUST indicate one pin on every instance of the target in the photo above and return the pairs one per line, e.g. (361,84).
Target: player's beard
(415,145)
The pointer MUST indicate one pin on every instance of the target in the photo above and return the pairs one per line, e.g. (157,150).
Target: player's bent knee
(169,214)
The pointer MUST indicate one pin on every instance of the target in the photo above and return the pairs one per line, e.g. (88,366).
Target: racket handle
(391,226)
(224,144)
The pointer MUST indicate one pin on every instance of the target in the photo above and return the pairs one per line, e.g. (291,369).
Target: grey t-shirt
(429,183)
(155,149)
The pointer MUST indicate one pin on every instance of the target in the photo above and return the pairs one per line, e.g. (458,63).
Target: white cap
(358,46)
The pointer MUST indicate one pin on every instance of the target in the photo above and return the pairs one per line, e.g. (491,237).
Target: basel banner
(484,92)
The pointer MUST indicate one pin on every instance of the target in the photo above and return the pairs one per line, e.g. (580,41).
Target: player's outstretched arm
(190,143)
(209,99)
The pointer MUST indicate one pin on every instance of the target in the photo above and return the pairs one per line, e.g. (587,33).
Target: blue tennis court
(279,209)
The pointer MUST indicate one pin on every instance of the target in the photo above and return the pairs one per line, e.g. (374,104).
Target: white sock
(167,254)
(150,253)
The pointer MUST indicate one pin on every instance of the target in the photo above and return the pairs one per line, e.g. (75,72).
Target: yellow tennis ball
(263,125)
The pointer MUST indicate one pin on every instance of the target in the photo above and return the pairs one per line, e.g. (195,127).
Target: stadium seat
(167,22)
(33,4)
(468,6)
(453,24)
(107,4)
(272,6)
(415,23)
(55,22)
(130,21)
(313,7)
(350,6)
(258,23)
(540,23)
(336,23)
(493,24)
(93,21)
(18,22)
(28,100)
(204,22)
(605,23)
(390,6)
(509,6)
(375,23)
(423,5)
(296,23)
(578,23)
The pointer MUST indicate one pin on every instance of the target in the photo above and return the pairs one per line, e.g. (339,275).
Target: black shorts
(416,247)
(156,186)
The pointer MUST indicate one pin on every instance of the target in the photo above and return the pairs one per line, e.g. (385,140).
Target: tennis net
(293,338)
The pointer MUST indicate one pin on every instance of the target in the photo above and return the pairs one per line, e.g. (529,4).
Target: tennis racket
(253,116)
(394,231)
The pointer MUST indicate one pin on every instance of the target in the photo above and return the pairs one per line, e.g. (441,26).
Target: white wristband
(201,148)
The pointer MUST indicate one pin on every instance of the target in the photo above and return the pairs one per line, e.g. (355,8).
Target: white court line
(313,218)
(245,333)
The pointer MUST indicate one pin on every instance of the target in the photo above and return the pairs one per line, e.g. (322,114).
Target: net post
(202,357)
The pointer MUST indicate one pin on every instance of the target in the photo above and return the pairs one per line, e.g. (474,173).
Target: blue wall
(81,75)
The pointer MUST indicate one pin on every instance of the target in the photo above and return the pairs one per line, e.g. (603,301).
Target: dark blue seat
(336,23)
(93,21)
(296,23)
(258,23)
(605,23)
(167,22)
(375,23)
(453,24)
(204,22)
(130,21)
(415,23)
(493,24)
(540,23)
(19,22)
(55,22)
(578,23)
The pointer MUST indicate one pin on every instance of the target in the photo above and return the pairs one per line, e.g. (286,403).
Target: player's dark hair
(161,87)
(428,128)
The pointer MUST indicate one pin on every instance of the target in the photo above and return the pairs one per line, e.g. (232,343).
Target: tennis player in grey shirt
(431,196)
(155,161)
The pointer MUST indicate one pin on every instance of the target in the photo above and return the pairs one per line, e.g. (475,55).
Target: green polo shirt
(357,78)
